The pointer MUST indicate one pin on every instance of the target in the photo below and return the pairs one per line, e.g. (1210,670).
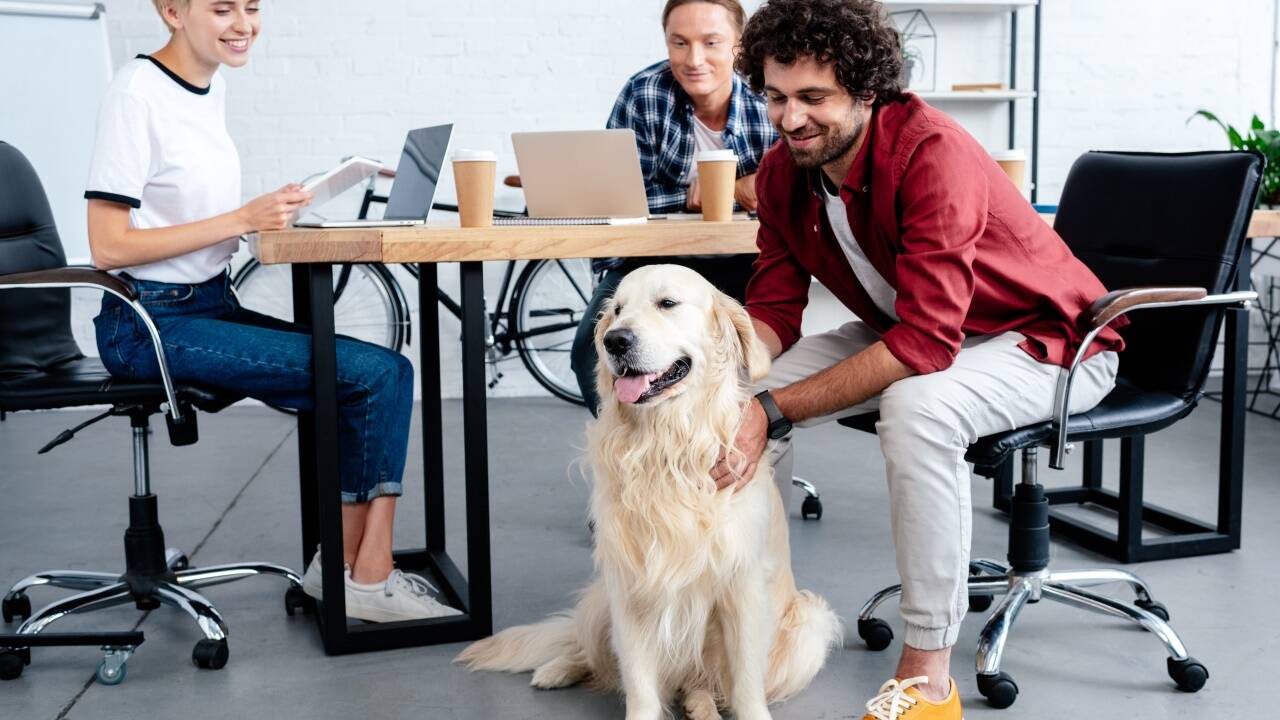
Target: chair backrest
(1144,219)
(35,325)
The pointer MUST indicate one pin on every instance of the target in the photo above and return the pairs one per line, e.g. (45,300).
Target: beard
(836,140)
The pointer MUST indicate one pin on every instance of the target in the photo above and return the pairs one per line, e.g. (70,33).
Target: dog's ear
(735,323)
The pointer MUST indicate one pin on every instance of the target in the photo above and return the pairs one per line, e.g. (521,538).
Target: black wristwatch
(779,425)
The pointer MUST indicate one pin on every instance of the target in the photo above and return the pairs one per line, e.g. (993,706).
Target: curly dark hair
(855,35)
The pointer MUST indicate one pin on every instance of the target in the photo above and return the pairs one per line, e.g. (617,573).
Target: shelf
(974,95)
(957,6)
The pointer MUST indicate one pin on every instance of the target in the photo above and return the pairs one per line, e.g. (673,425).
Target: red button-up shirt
(940,221)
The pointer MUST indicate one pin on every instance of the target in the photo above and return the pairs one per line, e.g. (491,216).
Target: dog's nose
(619,341)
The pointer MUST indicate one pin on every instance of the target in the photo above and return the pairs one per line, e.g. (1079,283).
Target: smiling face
(701,38)
(219,32)
(819,119)
(667,332)
(649,337)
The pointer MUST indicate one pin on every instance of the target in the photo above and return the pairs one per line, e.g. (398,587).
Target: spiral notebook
(596,220)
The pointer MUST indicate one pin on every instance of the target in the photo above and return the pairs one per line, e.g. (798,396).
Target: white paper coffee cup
(474,173)
(717,172)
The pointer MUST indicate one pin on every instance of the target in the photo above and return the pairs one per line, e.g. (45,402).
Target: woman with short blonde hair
(165,214)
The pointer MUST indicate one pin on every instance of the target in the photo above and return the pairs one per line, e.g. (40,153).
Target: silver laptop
(580,177)
(415,185)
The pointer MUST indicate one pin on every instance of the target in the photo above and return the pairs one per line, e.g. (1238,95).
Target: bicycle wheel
(548,302)
(369,304)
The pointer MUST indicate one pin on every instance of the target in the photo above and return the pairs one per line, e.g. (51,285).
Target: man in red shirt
(966,301)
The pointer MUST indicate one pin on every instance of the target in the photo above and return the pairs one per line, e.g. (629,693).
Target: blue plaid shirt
(654,105)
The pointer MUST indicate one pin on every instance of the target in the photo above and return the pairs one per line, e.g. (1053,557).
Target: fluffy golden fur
(693,595)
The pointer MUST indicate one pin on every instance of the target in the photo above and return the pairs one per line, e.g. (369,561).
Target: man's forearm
(842,385)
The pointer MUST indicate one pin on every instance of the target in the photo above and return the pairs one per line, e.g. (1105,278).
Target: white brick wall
(336,77)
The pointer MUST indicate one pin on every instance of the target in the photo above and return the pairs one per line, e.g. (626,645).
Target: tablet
(351,172)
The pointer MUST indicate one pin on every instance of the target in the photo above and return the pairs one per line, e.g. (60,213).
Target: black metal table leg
(320,491)
(476,447)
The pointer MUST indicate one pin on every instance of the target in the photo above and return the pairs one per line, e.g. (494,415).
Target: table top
(443,243)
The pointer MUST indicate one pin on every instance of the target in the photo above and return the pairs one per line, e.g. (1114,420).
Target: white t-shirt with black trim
(162,149)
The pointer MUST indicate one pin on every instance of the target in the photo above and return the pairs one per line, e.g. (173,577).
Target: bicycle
(537,321)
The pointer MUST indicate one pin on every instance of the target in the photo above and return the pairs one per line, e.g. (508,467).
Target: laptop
(415,185)
(580,177)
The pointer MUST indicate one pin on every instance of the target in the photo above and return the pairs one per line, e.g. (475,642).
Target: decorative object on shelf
(978,87)
(919,48)
(1262,139)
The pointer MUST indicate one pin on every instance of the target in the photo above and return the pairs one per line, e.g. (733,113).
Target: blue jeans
(211,341)
(729,273)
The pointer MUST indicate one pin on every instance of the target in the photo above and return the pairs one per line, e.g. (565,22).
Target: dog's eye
(617,309)
(667,303)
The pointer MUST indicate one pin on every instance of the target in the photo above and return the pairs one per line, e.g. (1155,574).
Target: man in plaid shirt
(692,101)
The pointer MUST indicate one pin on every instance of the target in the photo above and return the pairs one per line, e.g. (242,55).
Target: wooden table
(452,244)
(312,251)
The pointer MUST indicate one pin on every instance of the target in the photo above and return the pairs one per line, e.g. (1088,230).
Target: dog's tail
(807,632)
(524,647)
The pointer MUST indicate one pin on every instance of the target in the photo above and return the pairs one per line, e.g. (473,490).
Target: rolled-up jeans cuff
(392,489)
(924,638)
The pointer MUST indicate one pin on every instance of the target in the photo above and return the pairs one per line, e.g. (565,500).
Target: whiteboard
(54,68)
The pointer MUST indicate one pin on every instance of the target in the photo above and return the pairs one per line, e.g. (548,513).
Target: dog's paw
(559,673)
(701,705)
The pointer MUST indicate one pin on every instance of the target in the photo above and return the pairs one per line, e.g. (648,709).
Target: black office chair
(41,368)
(1174,223)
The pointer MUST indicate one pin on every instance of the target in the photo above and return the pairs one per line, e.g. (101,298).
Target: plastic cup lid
(710,155)
(474,156)
(1014,154)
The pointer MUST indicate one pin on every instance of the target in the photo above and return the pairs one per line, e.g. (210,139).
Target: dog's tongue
(629,388)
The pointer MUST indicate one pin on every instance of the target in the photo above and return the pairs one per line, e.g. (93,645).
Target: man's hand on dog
(737,468)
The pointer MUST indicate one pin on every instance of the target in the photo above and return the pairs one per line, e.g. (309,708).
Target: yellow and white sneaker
(901,700)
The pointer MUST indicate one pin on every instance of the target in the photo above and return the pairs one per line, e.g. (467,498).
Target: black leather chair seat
(1127,410)
(86,382)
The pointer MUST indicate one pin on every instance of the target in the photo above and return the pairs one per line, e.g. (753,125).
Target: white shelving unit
(957,6)
(977,95)
(1011,96)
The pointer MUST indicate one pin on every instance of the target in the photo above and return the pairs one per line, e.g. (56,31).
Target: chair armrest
(1116,303)
(69,277)
(1102,313)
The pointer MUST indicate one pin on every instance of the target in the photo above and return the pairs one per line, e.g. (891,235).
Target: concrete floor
(233,496)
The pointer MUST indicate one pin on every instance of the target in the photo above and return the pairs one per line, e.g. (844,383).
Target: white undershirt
(881,292)
(704,138)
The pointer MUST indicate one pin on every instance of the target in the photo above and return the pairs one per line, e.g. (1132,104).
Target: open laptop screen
(418,173)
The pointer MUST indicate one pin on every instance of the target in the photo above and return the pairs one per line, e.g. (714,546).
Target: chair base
(155,576)
(1019,589)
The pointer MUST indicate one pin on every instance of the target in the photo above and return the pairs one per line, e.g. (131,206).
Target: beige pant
(926,424)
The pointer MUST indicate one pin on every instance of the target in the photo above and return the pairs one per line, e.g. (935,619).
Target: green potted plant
(1261,139)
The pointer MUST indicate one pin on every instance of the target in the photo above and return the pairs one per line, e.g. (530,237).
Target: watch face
(779,430)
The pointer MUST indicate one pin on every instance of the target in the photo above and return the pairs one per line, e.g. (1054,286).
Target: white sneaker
(403,596)
(311,582)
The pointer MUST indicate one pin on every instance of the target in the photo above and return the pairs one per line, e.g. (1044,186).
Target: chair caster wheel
(11,664)
(811,508)
(1189,674)
(16,606)
(1155,608)
(1000,690)
(180,563)
(210,654)
(875,632)
(296,599)
(112,669)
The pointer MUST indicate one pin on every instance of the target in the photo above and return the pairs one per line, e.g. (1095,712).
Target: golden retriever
(693,594)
